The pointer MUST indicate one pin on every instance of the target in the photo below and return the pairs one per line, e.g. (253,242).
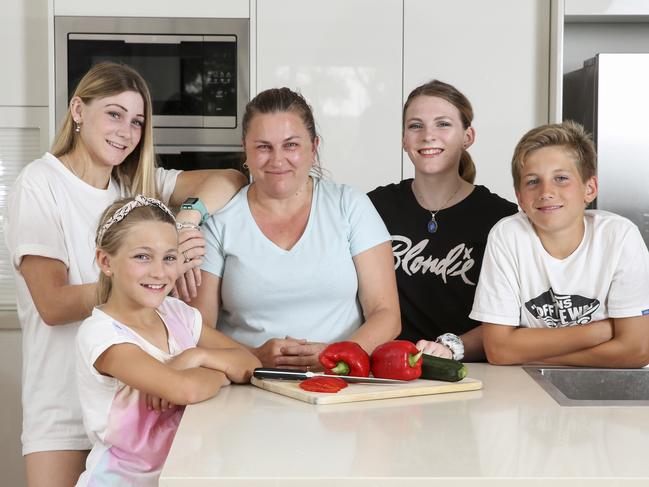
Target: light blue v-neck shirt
(309,291)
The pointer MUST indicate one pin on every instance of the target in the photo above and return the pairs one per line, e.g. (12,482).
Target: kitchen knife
(288,374)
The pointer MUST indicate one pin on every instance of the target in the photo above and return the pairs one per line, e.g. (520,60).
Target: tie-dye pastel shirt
(130,443)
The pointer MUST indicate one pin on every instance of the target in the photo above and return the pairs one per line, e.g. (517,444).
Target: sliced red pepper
(345,358)
(397,359)
(323,384)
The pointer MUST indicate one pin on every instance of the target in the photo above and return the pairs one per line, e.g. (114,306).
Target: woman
(439,222)
(293,261)
(103,151)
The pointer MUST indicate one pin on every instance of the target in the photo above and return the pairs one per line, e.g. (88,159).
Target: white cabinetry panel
(155,8)
(497,54)
(344,56)
(23,53)
(584,9)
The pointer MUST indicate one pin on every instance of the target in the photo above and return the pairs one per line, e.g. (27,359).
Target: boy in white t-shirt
(561,284)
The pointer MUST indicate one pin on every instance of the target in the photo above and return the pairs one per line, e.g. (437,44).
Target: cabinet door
(344,56)
(23,53)
(497,54)
(153,8)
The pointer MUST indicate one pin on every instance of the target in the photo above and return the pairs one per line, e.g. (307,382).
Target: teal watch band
(197,205)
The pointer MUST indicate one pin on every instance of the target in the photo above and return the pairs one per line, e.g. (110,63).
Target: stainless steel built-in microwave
(197,71)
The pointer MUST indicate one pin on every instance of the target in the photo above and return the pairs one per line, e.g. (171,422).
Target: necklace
(68,165)
(432,224)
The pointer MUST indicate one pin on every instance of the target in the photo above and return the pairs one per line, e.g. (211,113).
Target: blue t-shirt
(309,291)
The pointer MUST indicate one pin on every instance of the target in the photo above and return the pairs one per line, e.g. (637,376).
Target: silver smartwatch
(453,343)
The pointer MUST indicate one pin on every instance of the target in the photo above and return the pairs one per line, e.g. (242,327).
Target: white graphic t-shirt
(52,213)
(130,443)
(607,276)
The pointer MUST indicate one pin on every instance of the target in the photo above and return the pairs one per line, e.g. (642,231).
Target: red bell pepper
(398,359)
(345,358)
(323,384)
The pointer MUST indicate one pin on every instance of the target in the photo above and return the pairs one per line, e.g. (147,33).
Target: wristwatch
(453,343)
(197,205)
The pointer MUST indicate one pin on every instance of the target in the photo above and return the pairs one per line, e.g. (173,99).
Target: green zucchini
(437,368)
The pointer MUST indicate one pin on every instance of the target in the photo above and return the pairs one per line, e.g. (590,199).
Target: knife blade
(288,374)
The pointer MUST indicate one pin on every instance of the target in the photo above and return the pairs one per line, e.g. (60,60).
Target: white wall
(11,462)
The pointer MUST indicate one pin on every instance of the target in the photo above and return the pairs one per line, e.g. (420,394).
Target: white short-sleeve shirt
(52,213)
(607,276)
(309,291)
(130,443)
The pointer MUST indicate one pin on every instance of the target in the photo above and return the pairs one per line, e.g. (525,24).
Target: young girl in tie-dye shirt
(142,356)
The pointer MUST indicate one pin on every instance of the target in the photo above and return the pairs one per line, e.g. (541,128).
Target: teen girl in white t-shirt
(103,151)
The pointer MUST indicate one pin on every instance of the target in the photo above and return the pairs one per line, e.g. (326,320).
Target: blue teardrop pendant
(432,224)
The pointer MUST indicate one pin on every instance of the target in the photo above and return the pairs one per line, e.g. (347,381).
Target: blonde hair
(447,92)
(570,135)
(110,239)
(137,172)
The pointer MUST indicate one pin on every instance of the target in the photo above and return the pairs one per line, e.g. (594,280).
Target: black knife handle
(284,374)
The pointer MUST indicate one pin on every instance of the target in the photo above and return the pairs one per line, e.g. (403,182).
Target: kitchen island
(509,433)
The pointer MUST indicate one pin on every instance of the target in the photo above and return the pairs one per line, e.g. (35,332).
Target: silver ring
(187,259)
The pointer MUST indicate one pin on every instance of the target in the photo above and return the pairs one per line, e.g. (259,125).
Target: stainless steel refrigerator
(610,97)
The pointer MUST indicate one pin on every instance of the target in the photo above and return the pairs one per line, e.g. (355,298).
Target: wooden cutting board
(367,392)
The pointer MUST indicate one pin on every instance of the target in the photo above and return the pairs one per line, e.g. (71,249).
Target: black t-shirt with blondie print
(437,273)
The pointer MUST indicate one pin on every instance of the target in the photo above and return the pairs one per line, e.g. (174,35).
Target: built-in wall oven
(197,71)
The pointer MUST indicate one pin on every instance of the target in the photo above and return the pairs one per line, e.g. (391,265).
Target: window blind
(18,147)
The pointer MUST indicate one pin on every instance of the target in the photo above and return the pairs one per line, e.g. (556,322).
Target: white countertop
(509,433)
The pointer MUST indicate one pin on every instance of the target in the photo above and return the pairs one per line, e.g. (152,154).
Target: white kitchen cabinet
(155,8)
(23,53)
(344,56)
(590,9)
(497,54)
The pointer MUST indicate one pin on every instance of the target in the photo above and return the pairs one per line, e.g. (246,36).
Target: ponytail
(467,167)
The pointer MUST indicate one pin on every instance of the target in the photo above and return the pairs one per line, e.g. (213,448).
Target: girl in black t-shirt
(439,222)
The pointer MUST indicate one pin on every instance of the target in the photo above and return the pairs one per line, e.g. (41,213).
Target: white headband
(120,214)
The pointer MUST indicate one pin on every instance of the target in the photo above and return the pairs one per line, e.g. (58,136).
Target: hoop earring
(245,165)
